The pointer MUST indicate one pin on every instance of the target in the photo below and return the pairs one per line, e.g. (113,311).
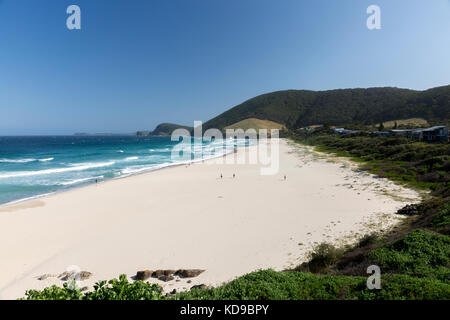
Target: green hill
(298,108)
(163,129)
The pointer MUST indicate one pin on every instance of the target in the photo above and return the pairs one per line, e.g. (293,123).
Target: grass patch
(442,219)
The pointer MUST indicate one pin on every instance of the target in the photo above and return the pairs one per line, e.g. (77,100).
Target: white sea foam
(17,160)
(24,160)
(67,183)
(74,167)
(131,158)
(137,169)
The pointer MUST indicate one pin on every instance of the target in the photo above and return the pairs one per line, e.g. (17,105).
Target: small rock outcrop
(199,286)
(165,278)
(157,273)
(409,210)
(84,275)
(169,272)
(67,275)
(143,275)
(46,276)
(188,273)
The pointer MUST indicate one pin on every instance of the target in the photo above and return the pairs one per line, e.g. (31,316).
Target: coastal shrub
(442,219)
(367,239)
(121,289)
(420,253)
(115,289)
(54,293)
(323,256)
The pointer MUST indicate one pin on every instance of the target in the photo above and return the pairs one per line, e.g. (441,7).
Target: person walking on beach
(284,177)
(233,175)
(221,176)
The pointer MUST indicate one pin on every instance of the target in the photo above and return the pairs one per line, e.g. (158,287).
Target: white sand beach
(188,217)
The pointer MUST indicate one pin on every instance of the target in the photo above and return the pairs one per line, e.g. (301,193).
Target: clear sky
(136,63)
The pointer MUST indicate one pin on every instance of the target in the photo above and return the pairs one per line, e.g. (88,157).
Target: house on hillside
(433,134)
(381,133)
(342,131)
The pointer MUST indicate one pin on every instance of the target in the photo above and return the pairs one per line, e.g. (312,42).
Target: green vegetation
(115,289)
(442,219)
(299,108)
(323,256)
(164,129)
(419,254)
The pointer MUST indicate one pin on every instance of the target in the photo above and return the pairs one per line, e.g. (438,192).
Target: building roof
(434,128)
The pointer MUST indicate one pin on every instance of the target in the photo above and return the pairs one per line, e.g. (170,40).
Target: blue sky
(137,63)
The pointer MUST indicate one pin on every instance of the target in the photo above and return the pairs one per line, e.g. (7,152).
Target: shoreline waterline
(89,161)
(146,171)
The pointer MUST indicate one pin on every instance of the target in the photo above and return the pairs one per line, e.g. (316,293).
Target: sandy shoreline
(187,217)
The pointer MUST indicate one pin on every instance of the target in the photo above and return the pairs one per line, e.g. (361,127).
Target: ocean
(40,165)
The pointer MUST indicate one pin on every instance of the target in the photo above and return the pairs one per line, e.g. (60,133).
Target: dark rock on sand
(45,276)
(165,278)
(143,275)
(84,275)
(169,272)
(67,275)
(199,286)
(408,210)
(188,273)
(157,273)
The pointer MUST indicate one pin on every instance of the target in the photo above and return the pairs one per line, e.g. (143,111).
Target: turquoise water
(35,166)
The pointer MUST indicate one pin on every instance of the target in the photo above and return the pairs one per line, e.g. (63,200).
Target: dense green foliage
(442,219)
(115,289)
(419,253)
(298,108)
(271,285)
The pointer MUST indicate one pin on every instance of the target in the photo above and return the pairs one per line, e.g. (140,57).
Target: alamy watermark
(374,20)
(374,281)
(73,22)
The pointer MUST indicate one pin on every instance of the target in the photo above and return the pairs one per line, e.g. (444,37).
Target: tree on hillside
(381,127)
